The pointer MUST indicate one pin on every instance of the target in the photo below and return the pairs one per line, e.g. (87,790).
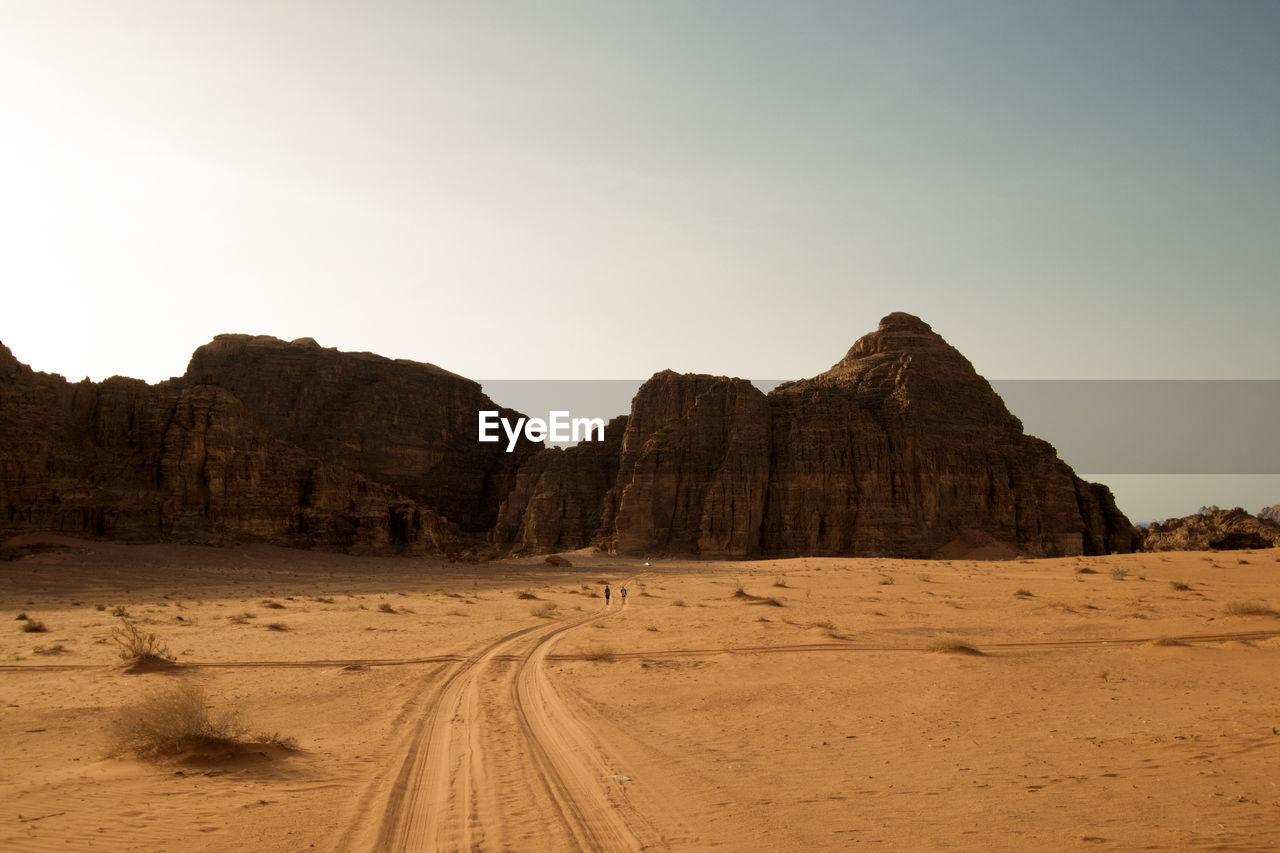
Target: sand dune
(793,704)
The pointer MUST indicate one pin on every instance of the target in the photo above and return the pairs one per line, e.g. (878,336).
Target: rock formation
(1212,530)
(900,449)
(1270,513)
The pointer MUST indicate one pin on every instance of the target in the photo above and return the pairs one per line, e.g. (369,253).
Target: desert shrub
(387,608)
(1248,608)
(886,580)
(955,647)
(274,605)
(276,626)
(57,649)
(120,611)
(320,599)
(600,654)
(1119,574)
(679,603)
(1179,587)
(137,645)
(1085,570)
(767,602)
(528,596)
(546,610)
(34,626)
(175,718)
(21,617)
(780,581)
(100,607)
(1023,592)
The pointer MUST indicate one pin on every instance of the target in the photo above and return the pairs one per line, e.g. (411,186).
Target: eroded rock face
(556,502)
(900,449)
(1270,513)
(189,460)
(406,425)
(1212,530)
(693,470)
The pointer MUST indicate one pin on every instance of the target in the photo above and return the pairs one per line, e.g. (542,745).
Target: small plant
(21,617)
(1085,570)
(120,611)
(1179,587)
(320,599)
(1248,608)
(545,610)
(953,647)
(1119,573)
(528,596)
(652,628)
(767,602)
(887,580)
(34,626)
(176,718)
(100,607)
(274,605)
(385,607)
(600,654)
(57,649)
(276,626)
(1023,592)
(780,581)
(137,646)
(679,602)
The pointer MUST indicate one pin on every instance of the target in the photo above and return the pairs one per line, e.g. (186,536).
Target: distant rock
(558,561)
(1270,513)
(1212,530)
(900,449)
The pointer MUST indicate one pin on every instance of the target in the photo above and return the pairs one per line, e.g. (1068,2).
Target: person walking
(606,595)
(623,592)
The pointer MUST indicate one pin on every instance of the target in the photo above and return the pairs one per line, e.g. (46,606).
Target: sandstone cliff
(1212,529)
(900,449)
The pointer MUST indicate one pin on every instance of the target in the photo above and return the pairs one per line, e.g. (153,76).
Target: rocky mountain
(900,449)
(1270,513)
(1212,530)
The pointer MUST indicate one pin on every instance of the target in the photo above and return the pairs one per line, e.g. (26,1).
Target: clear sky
(602,190)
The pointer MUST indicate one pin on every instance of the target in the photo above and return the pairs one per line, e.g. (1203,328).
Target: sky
(599,190)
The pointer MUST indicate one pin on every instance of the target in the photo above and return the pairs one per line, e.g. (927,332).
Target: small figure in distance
(606,595)
(623,592)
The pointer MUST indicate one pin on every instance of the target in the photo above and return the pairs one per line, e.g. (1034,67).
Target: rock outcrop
(900,449)
(1270,513)
(191,460)
(1212,530)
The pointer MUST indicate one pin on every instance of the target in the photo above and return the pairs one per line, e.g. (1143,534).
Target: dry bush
(1248,608)
(528,596)
(120,611)
(955,647)
(780,581)
(274,605)
(1023,592)
(276,626)
(21,617)
(384,607)
(601,654)
(33,626)
(1179,586)
(320,599)
(137,646)
(767,602)
(1085,570)
(175,718)
(886,580)
(546,610)
(1119,574)
(57,649)
(679,603)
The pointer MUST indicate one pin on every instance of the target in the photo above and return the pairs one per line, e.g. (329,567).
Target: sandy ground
(1107,709)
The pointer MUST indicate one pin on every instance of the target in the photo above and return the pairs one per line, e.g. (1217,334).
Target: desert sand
(1099,703)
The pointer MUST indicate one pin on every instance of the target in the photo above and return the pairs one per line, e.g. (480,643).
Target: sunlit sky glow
(603,190)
